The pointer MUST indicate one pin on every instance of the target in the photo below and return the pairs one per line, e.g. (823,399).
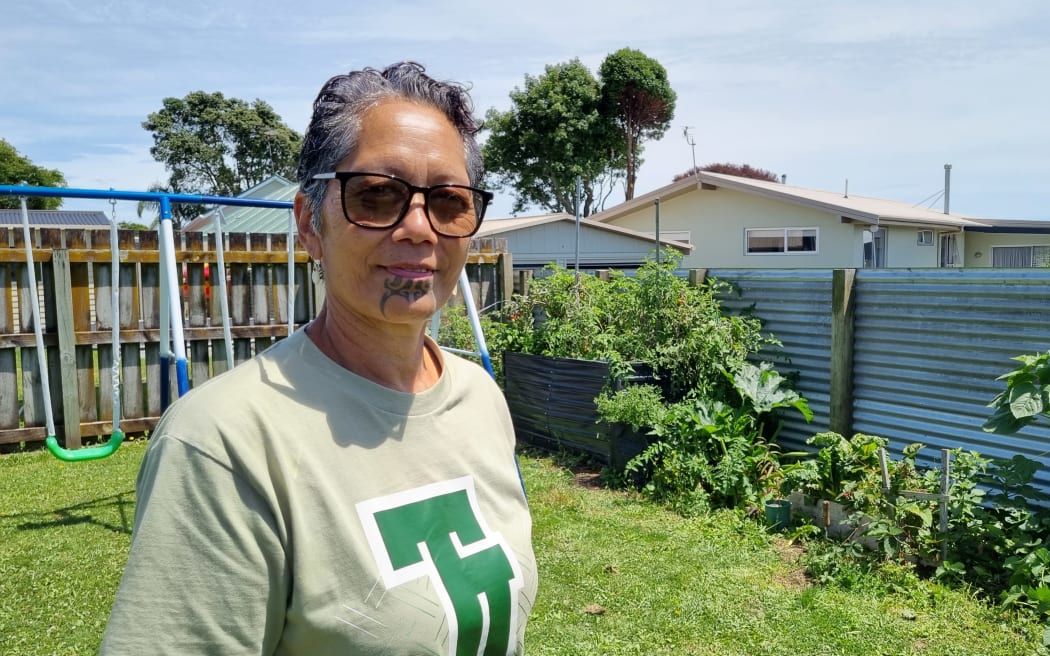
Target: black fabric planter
(552,404)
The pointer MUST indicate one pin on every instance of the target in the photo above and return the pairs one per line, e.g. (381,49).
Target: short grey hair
(334,128)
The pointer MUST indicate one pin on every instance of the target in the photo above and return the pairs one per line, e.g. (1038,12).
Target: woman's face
(401,275)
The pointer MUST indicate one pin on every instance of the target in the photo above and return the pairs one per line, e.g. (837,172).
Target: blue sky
(882,94)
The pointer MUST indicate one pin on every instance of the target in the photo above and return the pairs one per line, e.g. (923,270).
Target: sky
(879,94)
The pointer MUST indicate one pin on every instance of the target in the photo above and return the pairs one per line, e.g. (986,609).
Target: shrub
(709,452)
(654,317)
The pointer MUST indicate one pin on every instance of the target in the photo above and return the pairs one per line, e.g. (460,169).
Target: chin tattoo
(398,287)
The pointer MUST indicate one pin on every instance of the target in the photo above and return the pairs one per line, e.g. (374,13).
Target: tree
(739,170)
(553,133)
(638,97)
(219,146)
(16,169)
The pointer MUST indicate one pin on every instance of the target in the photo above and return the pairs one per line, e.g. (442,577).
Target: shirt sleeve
(207,572)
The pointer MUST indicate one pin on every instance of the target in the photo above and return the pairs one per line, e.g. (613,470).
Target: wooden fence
(74,289)
(75,281)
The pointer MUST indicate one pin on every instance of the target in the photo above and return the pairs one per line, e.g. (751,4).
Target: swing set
(172,340)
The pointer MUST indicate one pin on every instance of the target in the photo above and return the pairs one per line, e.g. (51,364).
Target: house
(55,218)
(536,241)
(734,222)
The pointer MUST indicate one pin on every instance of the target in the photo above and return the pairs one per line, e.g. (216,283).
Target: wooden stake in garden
(942,499)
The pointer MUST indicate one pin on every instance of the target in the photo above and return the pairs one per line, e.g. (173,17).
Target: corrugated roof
(252,219)
(56,218)
(860,208)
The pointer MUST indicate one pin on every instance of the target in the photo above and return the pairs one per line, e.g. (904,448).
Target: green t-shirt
(292,507)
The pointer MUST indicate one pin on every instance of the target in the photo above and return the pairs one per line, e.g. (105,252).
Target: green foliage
(708,452)
(1026,397)
(221,146)
(839,466)
(764,390)
(998,530)
(553,133)
(16,169)
(638,97)
(637,406)
(654,317)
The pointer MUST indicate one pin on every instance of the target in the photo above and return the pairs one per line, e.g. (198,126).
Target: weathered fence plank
(132,397)
(8,367)
(70,298)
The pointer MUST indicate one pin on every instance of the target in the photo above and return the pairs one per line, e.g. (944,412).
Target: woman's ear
(308,237)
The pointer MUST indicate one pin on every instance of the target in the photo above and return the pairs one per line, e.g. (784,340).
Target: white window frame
(816,240)
(949,253)
(877,236)
(925,238)
(1031,251)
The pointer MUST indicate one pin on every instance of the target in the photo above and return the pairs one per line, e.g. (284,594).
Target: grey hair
(336,123)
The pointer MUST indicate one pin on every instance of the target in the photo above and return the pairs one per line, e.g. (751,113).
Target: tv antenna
(692,143)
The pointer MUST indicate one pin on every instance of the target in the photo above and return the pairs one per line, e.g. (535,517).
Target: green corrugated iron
(252,219)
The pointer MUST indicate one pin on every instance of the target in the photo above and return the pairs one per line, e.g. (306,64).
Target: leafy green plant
(1026,397)
(639,406)
(839,466)
(708,452)
(654,316)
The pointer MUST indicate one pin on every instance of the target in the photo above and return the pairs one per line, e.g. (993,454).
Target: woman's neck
(400,359)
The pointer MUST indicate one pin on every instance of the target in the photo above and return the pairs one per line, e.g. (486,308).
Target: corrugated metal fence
(928,345)
(795,307)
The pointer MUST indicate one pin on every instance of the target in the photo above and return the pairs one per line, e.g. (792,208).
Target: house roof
(252,219)
(56,218)
(863,209)
(493,227)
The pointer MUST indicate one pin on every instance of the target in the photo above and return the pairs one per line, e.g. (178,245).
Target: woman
(351,490)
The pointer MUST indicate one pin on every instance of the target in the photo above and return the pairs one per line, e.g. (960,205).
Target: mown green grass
(65,529)
(618,576)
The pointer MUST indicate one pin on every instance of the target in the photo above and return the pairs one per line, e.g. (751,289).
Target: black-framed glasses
(379,202)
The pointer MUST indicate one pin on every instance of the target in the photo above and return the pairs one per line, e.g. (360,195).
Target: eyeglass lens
(374,201)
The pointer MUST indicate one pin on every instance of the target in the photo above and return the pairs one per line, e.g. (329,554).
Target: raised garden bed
(552,404)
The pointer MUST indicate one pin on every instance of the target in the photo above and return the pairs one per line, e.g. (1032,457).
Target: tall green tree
(553,133)
(220,146)
(16,169)
(638,97)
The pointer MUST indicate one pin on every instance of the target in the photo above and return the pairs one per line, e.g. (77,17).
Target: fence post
(67,347)
(524,278)
(505,267)
(697,277)
(841,393)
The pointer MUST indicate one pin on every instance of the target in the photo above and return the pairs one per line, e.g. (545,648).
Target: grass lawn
(619,576)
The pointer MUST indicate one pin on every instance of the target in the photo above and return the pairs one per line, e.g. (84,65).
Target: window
(925,238)
(875,248)
(764,241)
(950,250)
(1021,256)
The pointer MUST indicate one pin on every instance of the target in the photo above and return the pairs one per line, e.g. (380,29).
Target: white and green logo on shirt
(437,532)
